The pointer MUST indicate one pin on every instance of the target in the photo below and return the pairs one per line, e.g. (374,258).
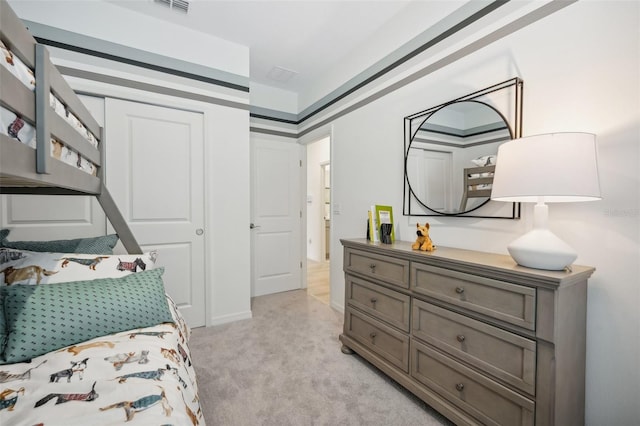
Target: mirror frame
(513,120)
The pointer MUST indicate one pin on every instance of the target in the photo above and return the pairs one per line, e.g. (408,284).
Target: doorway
(319,219)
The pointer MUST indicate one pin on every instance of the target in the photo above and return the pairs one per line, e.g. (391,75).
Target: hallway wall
(318,153)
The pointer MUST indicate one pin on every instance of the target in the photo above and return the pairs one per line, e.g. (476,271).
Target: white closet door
(430,176)
(155,172)
(51,217)
(276,217)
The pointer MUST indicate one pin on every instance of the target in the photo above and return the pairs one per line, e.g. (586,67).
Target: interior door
(155,173)
(432,176)
(276,216)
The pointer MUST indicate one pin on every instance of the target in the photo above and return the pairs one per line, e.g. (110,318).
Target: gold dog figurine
(423,242)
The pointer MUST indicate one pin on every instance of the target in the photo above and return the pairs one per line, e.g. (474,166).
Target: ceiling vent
(177,5)
(280,74)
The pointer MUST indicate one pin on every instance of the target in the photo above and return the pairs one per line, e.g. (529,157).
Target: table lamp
(547,168)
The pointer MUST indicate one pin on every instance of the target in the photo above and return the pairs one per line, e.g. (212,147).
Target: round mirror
(450,161)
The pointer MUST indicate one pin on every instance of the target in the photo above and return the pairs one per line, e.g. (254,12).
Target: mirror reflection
(451,157)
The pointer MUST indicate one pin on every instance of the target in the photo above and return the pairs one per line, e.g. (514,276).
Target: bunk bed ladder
(111,209)
(117,221)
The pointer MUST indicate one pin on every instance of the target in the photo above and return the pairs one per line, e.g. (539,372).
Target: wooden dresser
(477,337)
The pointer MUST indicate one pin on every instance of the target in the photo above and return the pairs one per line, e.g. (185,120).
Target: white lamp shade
(554,167)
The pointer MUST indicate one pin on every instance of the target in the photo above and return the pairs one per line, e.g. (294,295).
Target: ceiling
(305,40)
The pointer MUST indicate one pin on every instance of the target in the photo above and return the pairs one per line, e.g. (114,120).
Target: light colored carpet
(284,367)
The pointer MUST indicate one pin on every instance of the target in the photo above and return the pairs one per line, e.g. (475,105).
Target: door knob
(199,231)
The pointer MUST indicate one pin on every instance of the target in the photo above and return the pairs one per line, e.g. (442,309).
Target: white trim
(224,319)
(339,308)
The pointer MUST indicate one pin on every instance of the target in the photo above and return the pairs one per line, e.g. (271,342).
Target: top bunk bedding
(48,138)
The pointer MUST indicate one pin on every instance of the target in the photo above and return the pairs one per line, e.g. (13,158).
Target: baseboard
(337,307)
(230,318)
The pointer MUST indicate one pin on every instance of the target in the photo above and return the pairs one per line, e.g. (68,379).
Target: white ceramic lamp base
(540,248)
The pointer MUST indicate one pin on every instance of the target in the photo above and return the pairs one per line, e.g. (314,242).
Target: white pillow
(486,160)
(28,267)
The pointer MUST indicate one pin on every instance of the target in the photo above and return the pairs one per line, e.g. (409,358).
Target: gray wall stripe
(455,145)
(274,115)
(72,72)
(96,47)
(273,132)
(458,20)
(508,29)
(105,49)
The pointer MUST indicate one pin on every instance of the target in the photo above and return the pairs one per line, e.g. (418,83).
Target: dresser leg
(346,350)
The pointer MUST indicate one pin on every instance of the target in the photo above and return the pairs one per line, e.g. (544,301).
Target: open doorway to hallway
(319,219)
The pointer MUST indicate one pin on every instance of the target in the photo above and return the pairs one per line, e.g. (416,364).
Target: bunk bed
(477,182)
(64,128)
(125,368)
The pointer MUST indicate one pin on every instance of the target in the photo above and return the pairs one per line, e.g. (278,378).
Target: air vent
(177,5)
(280,74)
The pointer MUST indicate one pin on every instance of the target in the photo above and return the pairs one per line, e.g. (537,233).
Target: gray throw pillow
(44,318)
(92,245)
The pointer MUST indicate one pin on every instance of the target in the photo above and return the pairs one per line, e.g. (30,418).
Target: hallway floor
(318,280)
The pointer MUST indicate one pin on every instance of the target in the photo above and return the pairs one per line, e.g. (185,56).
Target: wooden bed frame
(470,181)
(24,170)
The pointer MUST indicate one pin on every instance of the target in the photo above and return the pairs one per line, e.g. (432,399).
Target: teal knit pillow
(93,245)
(44,318)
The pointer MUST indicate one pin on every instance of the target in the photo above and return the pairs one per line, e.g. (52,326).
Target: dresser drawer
(388,343)
(387,305)
(484,399)
(388,269)
(508,302)
(507,356)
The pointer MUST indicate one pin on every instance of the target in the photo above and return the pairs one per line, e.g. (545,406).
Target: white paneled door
(430,175)
(276,216)
(155,163)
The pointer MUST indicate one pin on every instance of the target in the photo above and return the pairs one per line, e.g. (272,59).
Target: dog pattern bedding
(142,376)
(14,126)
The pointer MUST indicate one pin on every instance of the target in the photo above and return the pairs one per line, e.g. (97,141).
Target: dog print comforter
(137,377)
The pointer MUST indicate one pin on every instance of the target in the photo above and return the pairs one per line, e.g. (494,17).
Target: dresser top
(495,265)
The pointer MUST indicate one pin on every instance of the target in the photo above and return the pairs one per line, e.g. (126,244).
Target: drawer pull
(372,335)
(460,387)
(373,267)
(374,301)
(460,338)
(459,290)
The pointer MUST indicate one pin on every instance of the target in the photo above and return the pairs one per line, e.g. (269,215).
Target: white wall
(317,155)
(581,72)
(273,98)
(228,211)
